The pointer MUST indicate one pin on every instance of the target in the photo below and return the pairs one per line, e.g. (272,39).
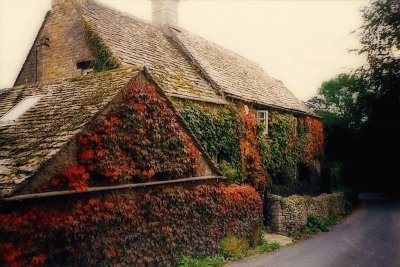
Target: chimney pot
(165,12)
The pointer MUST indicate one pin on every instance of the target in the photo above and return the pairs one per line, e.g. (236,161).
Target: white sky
(302,43)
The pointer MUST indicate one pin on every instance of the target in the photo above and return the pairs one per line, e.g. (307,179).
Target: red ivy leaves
(251,156)
(142,139)
(116,225)
(315,139)
(77,178)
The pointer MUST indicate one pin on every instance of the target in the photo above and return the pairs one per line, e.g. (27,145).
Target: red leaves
(87,155)
(148,174)
(253,170)
(138,107)
(315,139)
(39,259)
(110,229)
(77,178)
(113,121)
(130,144)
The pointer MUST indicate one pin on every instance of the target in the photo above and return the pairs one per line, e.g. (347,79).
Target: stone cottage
(115,122)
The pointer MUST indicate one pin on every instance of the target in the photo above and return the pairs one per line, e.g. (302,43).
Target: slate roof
(139,43)
(173,61)
(44,129)
(237,76)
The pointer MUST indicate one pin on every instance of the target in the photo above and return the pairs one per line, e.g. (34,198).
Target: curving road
(369,237)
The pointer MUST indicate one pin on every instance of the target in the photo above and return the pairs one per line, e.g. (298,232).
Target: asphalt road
(369,237)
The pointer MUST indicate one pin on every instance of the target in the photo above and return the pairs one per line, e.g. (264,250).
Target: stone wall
(289,215)
(64,29)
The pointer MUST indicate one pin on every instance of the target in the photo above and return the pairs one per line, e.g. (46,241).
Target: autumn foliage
(249,146)
(140,140)
(314,148)
(142,227)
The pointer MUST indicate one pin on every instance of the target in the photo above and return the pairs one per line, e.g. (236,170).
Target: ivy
(140,140)
(103,57)
(218,128)
(110,229)
(243,150)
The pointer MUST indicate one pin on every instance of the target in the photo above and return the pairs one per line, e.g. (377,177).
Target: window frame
(264,121)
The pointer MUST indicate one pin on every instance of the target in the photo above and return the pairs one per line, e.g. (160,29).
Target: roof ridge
(104,5)
(180,29)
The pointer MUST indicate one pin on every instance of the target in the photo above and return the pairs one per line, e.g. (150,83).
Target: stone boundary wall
(289,214)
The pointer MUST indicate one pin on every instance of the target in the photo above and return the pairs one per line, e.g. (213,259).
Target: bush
(228,171)
(315,224)
(234,247)
(201,261)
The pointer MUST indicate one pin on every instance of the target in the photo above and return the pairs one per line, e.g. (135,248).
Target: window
(17,111)
(262,118)
(85,67)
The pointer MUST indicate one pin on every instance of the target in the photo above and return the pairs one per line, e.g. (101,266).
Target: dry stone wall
(289,215)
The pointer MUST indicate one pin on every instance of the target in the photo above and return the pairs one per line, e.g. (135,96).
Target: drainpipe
(44,42)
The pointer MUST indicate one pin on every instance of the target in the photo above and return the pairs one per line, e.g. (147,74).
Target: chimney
(64,3)
(165,12)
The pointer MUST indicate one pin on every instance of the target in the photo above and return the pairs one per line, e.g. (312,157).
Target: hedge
(135,227)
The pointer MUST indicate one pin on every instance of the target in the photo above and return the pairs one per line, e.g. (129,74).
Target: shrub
(233,246)
(315,224)
(201,261)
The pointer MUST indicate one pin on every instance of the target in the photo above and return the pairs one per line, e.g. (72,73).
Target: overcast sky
(302,43)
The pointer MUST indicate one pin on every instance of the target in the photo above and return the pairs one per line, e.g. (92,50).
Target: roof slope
(237,76)
(136,42)
(44,129)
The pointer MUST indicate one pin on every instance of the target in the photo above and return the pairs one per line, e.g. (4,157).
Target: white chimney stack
(165,12)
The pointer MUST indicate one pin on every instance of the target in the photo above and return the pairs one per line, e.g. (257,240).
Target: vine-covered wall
(103,57)
(142,227)
(245,154)
(139,140)
(230,133)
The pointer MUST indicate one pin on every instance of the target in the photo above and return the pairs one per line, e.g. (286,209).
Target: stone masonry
(289,215)
(64,29)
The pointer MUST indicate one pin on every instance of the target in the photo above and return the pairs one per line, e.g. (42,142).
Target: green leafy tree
(361,110)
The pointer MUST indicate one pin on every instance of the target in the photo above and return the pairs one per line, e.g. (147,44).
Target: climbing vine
(244,152)
(139,141)
(110,229)
(230,133)
(103,57)
(218,128)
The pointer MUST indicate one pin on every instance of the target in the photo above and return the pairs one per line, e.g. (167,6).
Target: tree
(362,109)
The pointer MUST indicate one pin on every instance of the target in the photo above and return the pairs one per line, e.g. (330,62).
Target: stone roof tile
(139,43)
(44,129)
(237,76)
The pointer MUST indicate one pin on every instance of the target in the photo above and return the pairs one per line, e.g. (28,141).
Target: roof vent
(165,12)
